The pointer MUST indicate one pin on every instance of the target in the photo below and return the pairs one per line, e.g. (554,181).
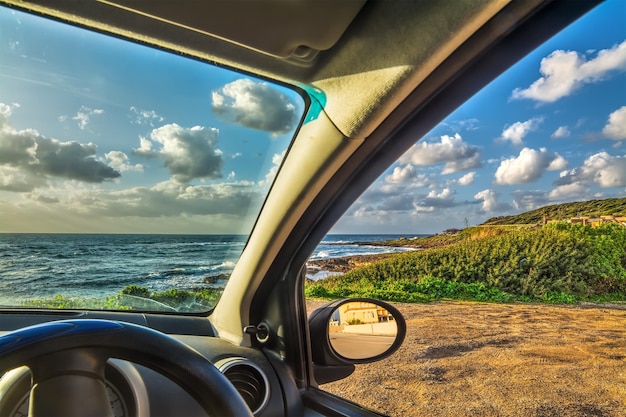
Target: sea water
(96,265)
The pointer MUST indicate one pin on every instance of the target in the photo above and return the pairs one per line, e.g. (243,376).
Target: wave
(227,265)
(104,264)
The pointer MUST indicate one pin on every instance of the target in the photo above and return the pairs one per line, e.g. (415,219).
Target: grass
(135,297)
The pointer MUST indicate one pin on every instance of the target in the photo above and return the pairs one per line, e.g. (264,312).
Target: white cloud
(83,116)
(518,130)
(467,179)
(119,161)
(601,168)
(145,148)
(169,199)
(558,163)
(32,155)
(18,180)
(277,159)
(525,200)
(444,198)
(145,117)
(188,153)
(459,125)
(451,150)
(568,192)
(565,72)
(5,112)
(401,174)
(490,201)
(616,127)
(256,105)
(561,132)
(528,166)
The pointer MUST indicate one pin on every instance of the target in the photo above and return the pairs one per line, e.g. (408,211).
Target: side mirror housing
(353,331)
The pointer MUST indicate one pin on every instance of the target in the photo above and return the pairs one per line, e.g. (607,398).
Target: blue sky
(161,144)
(550,130)
(100,135)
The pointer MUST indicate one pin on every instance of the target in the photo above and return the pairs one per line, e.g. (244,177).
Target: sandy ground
(474,359)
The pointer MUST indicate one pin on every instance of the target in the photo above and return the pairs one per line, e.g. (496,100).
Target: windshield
(130,177)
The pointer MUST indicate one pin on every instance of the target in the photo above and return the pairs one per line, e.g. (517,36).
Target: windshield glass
(130,177)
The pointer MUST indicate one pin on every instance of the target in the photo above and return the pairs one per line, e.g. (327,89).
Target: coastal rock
(215,279)
(345,264)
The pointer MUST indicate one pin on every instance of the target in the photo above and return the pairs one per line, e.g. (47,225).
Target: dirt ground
(474,359)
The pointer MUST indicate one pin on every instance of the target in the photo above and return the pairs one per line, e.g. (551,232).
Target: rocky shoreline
(344,264)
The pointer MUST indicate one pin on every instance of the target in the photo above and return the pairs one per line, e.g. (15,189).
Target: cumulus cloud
(256,105)
(169,199)
(187,153)
(119,161)
(558,163)
(277,159)
(563,72)
(145,117)
(490,202)
(17,180)
(518,130)
(30,154)
(601,168)
(172,198)
(528,166)
(397,203)
(401,174)
(434,199)
(5,112)
(467,179)
(83,116)
(568,192)
(525,200)
(616,126)
(561,132)
(455,154)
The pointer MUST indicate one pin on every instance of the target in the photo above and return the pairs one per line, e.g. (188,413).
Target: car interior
(374,75)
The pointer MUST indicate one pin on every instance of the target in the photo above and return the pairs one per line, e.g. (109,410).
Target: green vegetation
(562,212)
(446,239)
(134,297)
(559,263)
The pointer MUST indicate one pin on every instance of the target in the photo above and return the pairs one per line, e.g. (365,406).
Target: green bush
(560,262)
(183,300)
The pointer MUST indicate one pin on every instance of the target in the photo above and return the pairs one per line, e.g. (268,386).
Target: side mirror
(352,331)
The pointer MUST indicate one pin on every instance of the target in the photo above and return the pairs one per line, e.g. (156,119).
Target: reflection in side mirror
(361,330)
(355,330)
(351,331)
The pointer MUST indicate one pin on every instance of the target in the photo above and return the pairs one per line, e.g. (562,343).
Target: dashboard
(136,390)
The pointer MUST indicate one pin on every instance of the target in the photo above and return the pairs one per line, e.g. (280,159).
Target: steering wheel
(67,361)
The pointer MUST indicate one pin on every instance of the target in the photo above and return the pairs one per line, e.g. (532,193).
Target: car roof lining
(359,93)
(295,29)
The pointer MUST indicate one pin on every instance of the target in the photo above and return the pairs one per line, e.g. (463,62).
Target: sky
(552,129)
(162,144)
(153,143)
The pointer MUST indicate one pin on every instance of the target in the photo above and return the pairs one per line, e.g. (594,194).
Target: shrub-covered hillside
(560,262)
(562,212)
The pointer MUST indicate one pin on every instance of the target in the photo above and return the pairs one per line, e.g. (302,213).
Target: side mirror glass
(356,330)
(360,330)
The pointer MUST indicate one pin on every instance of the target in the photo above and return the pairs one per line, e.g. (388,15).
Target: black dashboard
(136,390)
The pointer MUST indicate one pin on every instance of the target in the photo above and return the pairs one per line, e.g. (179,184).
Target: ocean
(97,265)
